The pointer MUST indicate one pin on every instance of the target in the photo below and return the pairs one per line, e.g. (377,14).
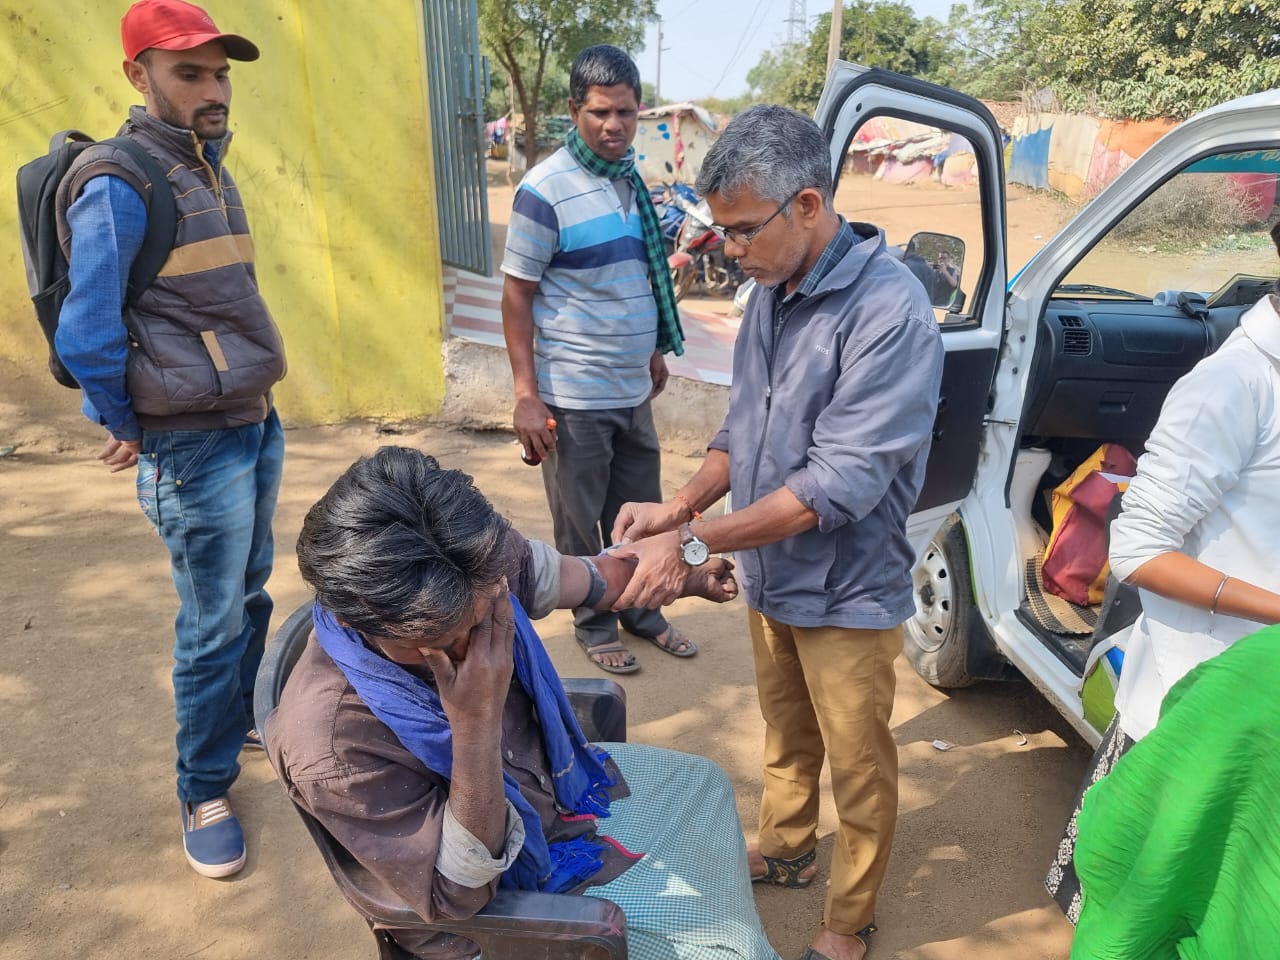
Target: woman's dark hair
(398,547)
(602,66)
(1275,238)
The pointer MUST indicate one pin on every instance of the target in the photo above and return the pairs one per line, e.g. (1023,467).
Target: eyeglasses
(743,238)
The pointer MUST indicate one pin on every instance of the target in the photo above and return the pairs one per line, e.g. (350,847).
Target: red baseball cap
(174,25)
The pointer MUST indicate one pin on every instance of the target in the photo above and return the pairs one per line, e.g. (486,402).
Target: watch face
(695,553)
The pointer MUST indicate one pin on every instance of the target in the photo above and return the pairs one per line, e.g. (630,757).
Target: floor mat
(1051,611)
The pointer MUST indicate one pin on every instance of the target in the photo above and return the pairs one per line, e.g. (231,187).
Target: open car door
(926,164)
(1150,277)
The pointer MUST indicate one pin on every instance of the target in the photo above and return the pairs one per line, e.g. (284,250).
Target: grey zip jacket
(840,410)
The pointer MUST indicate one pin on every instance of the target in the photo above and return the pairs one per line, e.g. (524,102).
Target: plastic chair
(519,924)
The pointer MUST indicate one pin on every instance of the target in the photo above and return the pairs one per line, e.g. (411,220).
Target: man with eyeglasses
(836,375)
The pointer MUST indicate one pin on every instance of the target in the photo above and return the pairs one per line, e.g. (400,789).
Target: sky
(709,45)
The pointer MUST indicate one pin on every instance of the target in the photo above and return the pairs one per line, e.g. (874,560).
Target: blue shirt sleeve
(108,222)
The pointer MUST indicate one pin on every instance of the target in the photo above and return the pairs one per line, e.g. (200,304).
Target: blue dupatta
(411,708)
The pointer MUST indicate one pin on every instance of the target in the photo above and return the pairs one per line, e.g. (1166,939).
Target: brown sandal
(861,936)
(674,642)
(615,646)
(786,873)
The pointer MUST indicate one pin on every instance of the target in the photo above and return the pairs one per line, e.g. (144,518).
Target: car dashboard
(1102,367)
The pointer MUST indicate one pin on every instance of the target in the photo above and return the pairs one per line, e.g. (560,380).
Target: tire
(682,279)
(937,639)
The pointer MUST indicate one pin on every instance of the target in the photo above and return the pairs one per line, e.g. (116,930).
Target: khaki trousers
(828,691)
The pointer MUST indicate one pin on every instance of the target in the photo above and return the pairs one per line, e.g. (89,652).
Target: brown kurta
(341,764)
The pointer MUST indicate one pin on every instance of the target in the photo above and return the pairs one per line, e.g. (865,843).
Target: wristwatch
(692,550)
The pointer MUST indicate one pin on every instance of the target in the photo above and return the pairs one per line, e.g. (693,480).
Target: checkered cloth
(690,897)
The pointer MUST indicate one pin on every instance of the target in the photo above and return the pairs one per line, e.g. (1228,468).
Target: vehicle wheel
(682,279)
(936,640)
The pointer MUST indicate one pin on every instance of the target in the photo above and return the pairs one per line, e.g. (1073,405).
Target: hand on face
(473,673)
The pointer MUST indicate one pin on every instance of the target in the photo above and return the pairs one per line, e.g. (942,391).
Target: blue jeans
(211,495)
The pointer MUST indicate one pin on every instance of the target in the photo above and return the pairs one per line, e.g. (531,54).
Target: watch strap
(597,587)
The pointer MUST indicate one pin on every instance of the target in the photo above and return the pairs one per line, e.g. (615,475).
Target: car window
(1199,232)
(919,183)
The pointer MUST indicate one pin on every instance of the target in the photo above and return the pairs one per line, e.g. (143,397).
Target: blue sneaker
(212,838)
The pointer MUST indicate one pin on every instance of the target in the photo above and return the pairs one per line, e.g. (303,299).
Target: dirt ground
(90,853)
(90,858)
(900,209)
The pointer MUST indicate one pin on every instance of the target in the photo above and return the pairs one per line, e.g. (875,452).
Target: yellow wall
(332,153)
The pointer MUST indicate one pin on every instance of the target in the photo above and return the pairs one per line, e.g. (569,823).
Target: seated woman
(426,728)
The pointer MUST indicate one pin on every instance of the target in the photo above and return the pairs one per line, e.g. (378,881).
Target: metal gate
(457,82)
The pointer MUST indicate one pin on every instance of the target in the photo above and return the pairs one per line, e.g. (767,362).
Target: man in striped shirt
(586,330)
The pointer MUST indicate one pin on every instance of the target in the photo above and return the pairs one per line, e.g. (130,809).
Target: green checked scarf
(670,335)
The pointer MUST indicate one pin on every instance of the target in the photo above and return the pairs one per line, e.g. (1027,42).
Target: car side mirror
(937,260)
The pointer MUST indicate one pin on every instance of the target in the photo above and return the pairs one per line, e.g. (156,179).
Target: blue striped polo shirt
(595,319)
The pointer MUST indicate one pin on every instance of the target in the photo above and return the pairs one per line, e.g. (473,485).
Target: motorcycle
(671,200)
(703,246)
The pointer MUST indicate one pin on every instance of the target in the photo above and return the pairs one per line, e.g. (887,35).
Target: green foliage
(999,47)
(875,33)
(533,40)
(1191,209)
(730,106)
(552,100)
(1163,58)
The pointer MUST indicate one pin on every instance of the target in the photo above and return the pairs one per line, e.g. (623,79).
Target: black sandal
(861,936)
(786,873)
(628,665)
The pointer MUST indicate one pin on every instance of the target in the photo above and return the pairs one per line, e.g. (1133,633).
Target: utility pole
(657,83)
(837,28)
(795,23)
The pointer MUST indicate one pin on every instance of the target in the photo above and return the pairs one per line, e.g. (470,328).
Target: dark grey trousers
(603,458)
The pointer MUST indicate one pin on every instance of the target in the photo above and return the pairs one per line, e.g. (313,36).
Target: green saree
(1179,846)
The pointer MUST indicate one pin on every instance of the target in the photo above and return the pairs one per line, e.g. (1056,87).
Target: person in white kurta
(1199,531)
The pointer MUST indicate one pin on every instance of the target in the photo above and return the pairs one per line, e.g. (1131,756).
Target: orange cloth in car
(1075,561)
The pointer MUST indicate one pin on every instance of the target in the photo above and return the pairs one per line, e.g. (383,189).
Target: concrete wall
(679,138)
(332,154)
(1077,155)
(479,390)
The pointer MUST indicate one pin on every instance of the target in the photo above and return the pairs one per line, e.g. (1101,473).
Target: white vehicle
(1078,349)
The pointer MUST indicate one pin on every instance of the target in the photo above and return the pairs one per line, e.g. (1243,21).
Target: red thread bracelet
(681,498)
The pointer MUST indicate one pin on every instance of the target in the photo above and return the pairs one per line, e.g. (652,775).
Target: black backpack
(37,215)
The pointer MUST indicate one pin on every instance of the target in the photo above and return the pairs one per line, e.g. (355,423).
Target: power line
(733,57)
(686,9)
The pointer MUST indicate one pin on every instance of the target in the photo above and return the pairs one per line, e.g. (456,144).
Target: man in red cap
(180,375)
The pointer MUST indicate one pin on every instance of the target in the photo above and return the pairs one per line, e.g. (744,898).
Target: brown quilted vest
(203,349)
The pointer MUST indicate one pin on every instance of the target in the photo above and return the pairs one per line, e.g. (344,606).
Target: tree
(1164,58)
(530,37)
(1000,47)
(728,106)
(875,33)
